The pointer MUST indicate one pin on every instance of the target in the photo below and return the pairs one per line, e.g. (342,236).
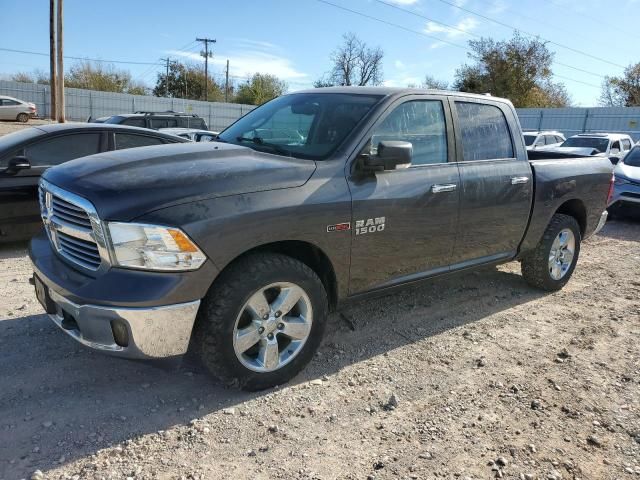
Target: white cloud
(399,65)
(463,27)
(249,57)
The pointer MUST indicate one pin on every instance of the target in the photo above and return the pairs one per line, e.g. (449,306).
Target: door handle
(446,187)
(519,180)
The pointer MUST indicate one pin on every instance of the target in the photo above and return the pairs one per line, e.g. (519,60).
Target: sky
(293,39)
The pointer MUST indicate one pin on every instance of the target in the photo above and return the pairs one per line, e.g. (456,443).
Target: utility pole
(226,83)
(52,59)
(206,54)
(60,66)
(166,78)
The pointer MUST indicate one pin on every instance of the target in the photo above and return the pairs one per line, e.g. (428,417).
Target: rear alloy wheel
(551,264)
(22,118)
(261,322)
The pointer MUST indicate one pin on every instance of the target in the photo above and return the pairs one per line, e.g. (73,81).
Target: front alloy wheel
(262,321)
(272,327)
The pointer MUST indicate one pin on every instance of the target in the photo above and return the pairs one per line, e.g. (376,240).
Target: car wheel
(22,118)
(261,322)
(550,266)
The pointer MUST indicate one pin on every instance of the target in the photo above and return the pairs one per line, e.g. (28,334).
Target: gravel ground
(470,376)
(9,127)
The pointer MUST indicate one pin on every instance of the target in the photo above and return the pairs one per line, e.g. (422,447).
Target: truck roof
(398,92)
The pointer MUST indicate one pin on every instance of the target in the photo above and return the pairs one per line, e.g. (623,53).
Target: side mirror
(18,163)
(392,155)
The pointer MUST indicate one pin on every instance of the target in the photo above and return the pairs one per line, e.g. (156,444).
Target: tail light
(610,194)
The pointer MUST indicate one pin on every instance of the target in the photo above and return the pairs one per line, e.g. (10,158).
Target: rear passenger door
(496,182)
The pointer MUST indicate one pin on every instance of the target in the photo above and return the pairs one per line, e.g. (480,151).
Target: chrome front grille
(73,227)
(70,213)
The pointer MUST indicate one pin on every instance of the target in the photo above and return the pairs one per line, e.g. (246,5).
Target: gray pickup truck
(237,250)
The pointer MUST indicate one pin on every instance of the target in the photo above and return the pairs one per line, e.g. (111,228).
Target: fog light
(120,333)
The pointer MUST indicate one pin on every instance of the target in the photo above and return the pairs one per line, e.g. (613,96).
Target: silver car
(14,109)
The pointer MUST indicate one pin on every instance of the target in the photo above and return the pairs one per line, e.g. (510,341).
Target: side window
(551,139)
(420,122)
(127,140)
(163,123)
(56,150)
(615,145)
(484,130)
(134,122)
(559,139)
(540,141)
(626,144)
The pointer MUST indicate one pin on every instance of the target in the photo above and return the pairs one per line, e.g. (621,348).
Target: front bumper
(155,332)
(129,313)
(627,194)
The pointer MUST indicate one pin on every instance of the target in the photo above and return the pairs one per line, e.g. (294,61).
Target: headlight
(152,247)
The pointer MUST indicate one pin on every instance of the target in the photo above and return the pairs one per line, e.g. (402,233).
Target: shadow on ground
(59,401)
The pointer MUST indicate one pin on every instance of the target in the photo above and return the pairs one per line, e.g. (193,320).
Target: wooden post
(52,59)
(60,92)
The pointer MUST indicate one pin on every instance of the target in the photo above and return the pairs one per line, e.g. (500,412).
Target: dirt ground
(474,376)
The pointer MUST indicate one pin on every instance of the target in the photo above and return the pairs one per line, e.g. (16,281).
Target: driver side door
(404,220)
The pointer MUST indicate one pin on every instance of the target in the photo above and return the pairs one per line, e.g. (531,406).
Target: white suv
(543,140)
(612,145)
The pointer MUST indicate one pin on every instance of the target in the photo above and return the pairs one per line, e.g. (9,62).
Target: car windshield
(529,139)
(303,125)
(599,144)
(633,158)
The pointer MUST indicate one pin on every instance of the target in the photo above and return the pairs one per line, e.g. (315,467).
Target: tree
(260,88)
(102,77)
(622,91)
(434,83)
(354,63)
(518,69)
(187,81)
(38,76)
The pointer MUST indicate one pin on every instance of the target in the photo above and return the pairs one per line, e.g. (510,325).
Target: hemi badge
(339,227)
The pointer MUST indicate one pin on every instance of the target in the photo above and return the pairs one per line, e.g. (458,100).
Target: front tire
(550,266)
(22,118)
(261,321)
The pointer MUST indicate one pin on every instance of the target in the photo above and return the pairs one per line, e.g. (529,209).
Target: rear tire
(550,266)
(22,118)
(233,336)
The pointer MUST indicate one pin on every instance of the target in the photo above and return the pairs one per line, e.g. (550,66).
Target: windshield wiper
(260,141)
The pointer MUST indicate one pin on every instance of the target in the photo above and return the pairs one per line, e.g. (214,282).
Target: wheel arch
(575,208)
(305,252)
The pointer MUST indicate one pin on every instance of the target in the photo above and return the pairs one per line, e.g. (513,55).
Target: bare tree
(435,84)
(354,63)
(622,91)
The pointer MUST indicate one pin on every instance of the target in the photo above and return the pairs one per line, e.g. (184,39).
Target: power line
(393,24)
(445,41)
(78,58)
(453,27)
(498,22)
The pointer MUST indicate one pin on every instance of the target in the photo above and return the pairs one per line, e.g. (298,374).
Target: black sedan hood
(125,184)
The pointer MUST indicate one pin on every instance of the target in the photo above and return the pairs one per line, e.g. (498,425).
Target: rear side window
(56,150)
(157,123)
(420,122)
(135,122)
(484,130)
(626,144)
(127,140)
(8,103)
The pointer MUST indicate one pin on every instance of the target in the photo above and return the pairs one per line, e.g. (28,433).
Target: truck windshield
(599,144)
(303,125)
(529,139)
(633,158)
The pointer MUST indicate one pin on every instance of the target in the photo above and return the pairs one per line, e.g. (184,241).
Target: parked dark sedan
(26,154)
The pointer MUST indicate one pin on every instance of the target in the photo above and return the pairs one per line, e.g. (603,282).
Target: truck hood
(125,184)
(585,151)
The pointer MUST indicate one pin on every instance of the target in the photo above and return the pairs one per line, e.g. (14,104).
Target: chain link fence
(81,104)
